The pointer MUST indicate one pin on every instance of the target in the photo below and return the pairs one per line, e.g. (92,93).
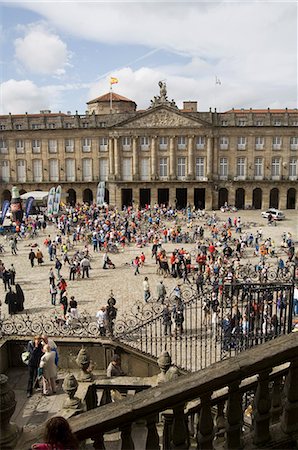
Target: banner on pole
(28,206)
(5,207)
(51,198)
(57,199)
(100,195)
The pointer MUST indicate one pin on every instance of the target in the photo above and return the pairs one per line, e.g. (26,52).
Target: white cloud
(41,51)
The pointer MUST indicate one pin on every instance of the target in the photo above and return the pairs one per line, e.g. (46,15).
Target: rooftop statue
(162,99)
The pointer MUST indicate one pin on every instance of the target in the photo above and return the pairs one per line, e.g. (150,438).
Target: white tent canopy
(37,195)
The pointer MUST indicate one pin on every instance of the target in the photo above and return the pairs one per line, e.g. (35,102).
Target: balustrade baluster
(276,405)
(289,420)
(180,436)
(127,442)
(261,409)
(205,433)
(234,416)
(98,441)
(152,441)
(167,428)
(220,422)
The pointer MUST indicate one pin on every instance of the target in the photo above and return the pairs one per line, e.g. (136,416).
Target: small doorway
(126,195)
(72,197)
(107,196)
(88,196)
(291,198)
(199,198)
(257,198)
(181,198)
(163,196)
(240,198)
(145,197)
(223,197)
(274,198)
(6,195)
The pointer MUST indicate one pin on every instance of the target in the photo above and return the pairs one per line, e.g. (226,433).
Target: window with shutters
(86,145)
(294,143)
(163,167)
(21,170)
(20,147)
(241,168)
(224,143)
(241,143)
(5,172)
(259,168)
(275,167)
(163,143)
(145,169)
(3,147)
(70,169)
(103,169)
(103,144)
(260,141)
(36,146)
(87,169)
(181,142)
(200,168)
(52,145)
(37,170)
(181,168)
(126,169)
(69,145)
(276,142)
(293,169)
(223,168)
(126,143)
(200,142)
(53,168)
(144,142)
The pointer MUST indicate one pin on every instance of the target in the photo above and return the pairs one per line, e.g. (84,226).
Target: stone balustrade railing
(223,384)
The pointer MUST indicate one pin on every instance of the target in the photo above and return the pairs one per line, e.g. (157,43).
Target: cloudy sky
(58,55)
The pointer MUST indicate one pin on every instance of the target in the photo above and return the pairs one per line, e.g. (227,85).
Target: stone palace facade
(247,158)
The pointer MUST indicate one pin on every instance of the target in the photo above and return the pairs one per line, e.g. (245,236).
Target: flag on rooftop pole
(113,80)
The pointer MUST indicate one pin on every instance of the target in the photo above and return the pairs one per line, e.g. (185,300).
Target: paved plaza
(93,293)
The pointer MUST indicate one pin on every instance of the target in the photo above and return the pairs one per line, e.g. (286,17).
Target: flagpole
(111,100)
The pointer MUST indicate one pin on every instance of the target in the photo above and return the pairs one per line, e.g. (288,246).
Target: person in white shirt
(102,320)
(146,288)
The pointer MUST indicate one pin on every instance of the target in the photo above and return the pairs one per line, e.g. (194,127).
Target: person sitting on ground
(58,436)
(114,368)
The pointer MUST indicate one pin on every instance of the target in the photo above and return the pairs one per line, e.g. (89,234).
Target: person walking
(49,370)
(58,266)
(85,266)
(35,353)
(39,257)
(73,308)
(161,291)
(167,320)
(146,288)
(12,272)
(102,320)
(64,303)
(62,285)
(114,368)
(136,264)
(32,257)
(6,278)
(53,292)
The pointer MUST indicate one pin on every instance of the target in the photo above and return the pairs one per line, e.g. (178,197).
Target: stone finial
(167,371)
(83,361)
(70,386)
(9,431)
(164,361)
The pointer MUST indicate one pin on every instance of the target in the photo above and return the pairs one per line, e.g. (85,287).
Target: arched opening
(145,197)
(88,196)
(223,197)
(240,198)
(72,197)
(22,191)
(257,198)
(199,198)
(163,196)
(181,198)
(6,195)
(126,197)
(291,198)
(107,196)
(274,198)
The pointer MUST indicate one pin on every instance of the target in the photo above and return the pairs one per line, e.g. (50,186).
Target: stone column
(136,196)
(172,158)
(153,173)
(117,159)
(282,196)
(191,164)
(135,159)
(248,195)
(111,158)
(209,157)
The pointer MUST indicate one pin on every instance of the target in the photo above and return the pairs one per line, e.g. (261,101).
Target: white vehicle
(275,213)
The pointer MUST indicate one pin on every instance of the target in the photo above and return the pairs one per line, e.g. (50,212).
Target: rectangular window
(21,170)
(35,126)
(294,143)
(293,168)
(85,124)
(163,143)
(36,146)
(18,126)
(223,168)
(52,145)
(3,147)
(126,143)
(37,170)
(258,169)
(181,167)
(259,123)
(51,126)
(69,145)
(200,142)
(241,143)
(240,169)
(87,169)
(276,143)
(224,123)
(2,127)
(294,123)
(20,148)
(103,144)
(68,125)
(200,168)
(224,143)
(103,169)
(144,141)
(86,145)
(53,167)
(277,122)
(275,167)
(181,142)
(241,122)
(4,171)
(70,169)
(260,141)
(126,169)
(145,169)
(163,167)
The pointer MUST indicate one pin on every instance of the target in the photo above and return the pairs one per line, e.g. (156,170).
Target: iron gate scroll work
(218,323)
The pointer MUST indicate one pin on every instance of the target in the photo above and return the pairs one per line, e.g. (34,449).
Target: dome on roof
(102,104)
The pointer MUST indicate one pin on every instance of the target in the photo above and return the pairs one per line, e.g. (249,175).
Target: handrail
(179,391)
